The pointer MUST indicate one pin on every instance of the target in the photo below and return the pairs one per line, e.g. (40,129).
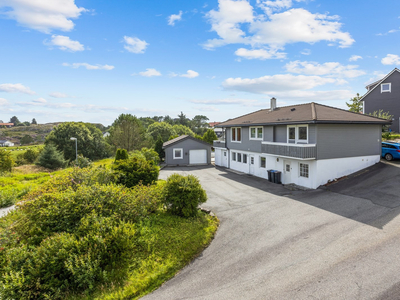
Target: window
(252,160)
(256,133)
(245,158)
(224,153)
(263,162)
(239,157)
(234,156)
(304,170)
(287,167)
(236,134)
(178,153)
(386,87)
(297,134)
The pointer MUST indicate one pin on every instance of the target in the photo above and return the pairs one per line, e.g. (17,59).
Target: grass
(16,150)
(168,244)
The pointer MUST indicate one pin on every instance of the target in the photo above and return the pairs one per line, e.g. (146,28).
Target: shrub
(83,162)
(6,161)
(31,155)
(121,154)
(183,194)
(136,170)
(51,158)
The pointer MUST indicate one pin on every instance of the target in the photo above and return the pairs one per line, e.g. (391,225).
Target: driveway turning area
(274,243)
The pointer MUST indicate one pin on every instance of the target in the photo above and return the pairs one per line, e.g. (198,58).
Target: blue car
(390,151)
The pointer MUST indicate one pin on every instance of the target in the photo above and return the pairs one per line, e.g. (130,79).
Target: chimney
(273,103)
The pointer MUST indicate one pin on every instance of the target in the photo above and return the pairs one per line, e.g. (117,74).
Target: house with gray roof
(310,144)
(5,143)
(186,150)
(384,95)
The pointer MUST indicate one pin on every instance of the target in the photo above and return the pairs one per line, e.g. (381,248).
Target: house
(9,125)
(309,144)
(384,95)
(186,150)
(218,131)
(5,143)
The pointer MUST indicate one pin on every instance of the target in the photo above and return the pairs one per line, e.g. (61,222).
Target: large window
(297,134)
(178,153)
(256,133)
(236,134)
(304,170)
(263,162)
(386,87)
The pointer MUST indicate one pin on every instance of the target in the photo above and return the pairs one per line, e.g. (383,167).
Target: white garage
(197,157)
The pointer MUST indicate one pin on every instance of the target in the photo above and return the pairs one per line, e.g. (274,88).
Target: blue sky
(72,60)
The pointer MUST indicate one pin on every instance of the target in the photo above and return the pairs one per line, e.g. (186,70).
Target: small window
(304,170)
(259,133)
(239,157)
(292,133)
(256,133)
(252,160)
(386,87)
(287,167)
(236,134)
(263,162)
(224,153)
(234,156)
(252,132)
(245,158)
(178,153)
(303,133)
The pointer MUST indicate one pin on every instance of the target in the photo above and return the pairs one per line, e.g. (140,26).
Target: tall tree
(15,120)
(199,124)
(210,136)
(181,129)
(34,121)
(183,120)
(162,129)
(127,133)
(355,104)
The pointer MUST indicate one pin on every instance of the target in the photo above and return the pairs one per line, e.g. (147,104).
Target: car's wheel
(388,156)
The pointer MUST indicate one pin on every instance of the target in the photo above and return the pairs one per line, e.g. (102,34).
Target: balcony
(301,151)
(219,144)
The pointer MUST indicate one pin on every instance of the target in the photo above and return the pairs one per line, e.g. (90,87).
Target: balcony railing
(302,151)
(219,144)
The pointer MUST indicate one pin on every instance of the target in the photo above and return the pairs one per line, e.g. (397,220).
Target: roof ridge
(313,111)
(243,115)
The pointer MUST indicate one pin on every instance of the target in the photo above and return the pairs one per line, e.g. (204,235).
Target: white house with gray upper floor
(310,144)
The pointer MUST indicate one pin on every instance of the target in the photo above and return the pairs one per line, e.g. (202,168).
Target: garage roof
(182,138)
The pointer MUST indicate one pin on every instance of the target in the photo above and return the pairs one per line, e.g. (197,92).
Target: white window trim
(265,162)
(308,169)
(297,140)
(390,87)
(177,157)
(256,128)
(241,133)
(234,156)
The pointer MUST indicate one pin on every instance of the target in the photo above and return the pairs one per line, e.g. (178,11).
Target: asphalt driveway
(274,243)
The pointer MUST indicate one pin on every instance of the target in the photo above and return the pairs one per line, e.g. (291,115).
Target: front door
(251,164)
(287,172)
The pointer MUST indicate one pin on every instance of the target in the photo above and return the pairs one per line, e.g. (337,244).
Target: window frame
(234,133)
(239,157)
(244,158)
(256,129)
(233,156)
(265,159)
(304,171)
(177,157)
(296,139)
(390,87)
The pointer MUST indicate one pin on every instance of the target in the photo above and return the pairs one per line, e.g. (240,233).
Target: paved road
(279,244)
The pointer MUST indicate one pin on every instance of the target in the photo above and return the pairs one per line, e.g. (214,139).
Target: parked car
(390,151)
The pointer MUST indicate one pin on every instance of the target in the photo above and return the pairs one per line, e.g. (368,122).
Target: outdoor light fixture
(76,148)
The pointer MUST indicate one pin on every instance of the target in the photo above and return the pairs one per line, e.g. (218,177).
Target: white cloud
(135,45)
(173,18)
(276,83)
(313,96)
(15,88)
(3,101)
(274,30)
(43,15)
(206,108)
(40,100)
(58,95)
(334,69)
(88,66)
(306,52)
(65,43)
(244,102)
(391,59)
(190,74)
(150,73)
(260,54)
(355,57)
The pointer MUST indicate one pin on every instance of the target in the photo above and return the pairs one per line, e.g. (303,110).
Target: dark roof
(302,114)
(377,83)
(182,138)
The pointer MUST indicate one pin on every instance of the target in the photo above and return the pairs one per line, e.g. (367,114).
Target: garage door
(197,157)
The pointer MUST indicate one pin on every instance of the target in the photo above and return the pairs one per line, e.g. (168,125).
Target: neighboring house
(218,131)
(5,143)
(7,124)
(186,150)
(309,143)
(384,95)
(106,134)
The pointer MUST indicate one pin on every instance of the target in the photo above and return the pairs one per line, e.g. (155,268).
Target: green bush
(136,170)
(6,161)
(83,162)
(51,158)
(121,154)
(183,195)
(31,155)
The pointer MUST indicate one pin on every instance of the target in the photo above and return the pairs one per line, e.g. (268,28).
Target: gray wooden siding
(348,140)
(186,145)
(268,133)
(388,102)
(246,144)
(280,134)
(312,134)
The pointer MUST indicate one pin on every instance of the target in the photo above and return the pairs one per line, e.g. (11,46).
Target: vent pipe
(273,103)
